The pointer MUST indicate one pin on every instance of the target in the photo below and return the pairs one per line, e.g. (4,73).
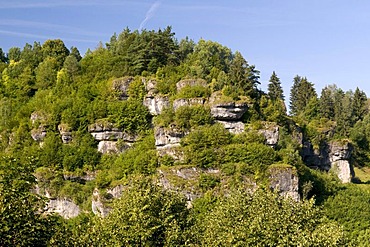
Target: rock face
(231,111)
(234,127)
(156,104)
(271,133)
(167,142)
(284,179)
(150,86)
(80,179)
(108,137)
(339,156)
(112,147)
(38,120)
(167,136)
(38,134)
(121,85)
(188,102)
(184,180)
(97,205)
(65,132)
(64,207)
(334,156)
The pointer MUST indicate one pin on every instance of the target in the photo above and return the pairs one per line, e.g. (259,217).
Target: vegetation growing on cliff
(48,91)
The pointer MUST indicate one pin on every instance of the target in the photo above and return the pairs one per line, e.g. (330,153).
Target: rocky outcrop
(112,147)
(111,139)
(334,156)
(341,150)
(89,176)
(234,127)
(97,204)
(184,180)
(231,111)
(156,104)
(150,86)
(64,207)
(38,134)
(38,121)
(38,117)
(188,102)
(167,142)
(339,156)
(120,87)
(284,180)
(271,133)
(167,136)
(65,132)
(190,83)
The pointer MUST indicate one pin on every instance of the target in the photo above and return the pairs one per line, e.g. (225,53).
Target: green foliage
(274,88)
(145,215)
(130,115)
(140,159)
(273,110)
(136,89)
(46,73)
(167,77)
(196,91)
(65,89)
(202,143)
(55,49)
(21,220)
(300,95)
(321,184)
(326,109)
(350,208)
(187,117)
(207,181)
(266,219)
(254,157)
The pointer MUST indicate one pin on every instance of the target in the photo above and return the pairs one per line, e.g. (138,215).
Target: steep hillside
(178,132)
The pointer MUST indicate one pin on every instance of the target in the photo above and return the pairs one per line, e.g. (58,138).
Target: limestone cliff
(334,156)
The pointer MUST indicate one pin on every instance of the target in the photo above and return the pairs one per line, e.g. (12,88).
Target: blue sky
(328,41)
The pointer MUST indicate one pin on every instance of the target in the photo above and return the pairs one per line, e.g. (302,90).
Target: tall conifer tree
(301,93)
(275,91)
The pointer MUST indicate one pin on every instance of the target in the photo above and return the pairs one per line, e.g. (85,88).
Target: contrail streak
(150,13)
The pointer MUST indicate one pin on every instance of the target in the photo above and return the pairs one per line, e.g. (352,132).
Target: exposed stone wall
(234,127)
(156,104)
(334,156)
(111,139)
(271,133)
(64,207)
(284,180)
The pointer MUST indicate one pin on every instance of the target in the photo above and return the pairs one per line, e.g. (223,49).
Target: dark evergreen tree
(301,93)
(76,53)
(359,105)
(3,57)
(243,76)
(186,47)
(343,113)
(275,91)
(326,103)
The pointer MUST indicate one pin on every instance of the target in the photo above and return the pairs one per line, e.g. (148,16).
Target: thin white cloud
(37,36)
(66,3)
(47,26)
(150,13)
